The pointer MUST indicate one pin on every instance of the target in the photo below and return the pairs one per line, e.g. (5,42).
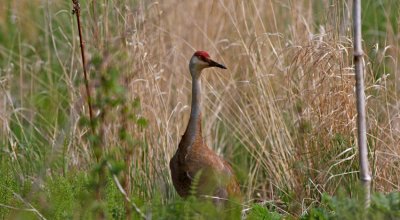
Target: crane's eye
(202,58)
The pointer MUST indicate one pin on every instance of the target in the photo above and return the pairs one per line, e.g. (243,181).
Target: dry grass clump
(321,83)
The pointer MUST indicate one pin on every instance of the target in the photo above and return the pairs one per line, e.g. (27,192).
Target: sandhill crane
(194,161)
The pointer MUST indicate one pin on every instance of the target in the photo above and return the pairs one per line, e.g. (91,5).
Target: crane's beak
(212,63)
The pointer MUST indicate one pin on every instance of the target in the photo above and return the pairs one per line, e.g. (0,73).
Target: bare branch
(360,95)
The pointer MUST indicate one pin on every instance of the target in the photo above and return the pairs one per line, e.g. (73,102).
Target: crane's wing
(210,174)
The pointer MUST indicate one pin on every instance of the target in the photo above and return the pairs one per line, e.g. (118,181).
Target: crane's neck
(193,129)
(195,113)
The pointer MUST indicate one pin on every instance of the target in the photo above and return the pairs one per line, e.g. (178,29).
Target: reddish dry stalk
(76,11)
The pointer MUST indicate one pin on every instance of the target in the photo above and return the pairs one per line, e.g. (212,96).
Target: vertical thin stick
(360,95)
(76,10)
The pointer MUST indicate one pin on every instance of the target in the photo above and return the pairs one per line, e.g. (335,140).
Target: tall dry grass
(283,113)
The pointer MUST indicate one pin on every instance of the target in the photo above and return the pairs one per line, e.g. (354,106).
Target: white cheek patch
(199,62)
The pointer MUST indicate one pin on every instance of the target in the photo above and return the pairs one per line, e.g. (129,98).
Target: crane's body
(194,165)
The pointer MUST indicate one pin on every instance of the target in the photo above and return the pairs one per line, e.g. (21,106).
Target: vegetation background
(283,114)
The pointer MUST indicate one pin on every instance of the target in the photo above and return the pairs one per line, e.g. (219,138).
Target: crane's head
(201,60)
